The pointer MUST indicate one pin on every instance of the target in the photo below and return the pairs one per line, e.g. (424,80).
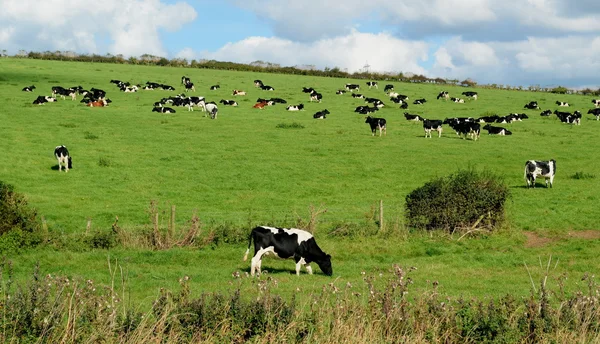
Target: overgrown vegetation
(19,226)
(382,308)
(464,200)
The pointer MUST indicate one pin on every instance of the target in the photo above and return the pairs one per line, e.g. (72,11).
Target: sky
(511,42)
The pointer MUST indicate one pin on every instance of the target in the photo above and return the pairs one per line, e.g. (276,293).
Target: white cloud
(383,52)
(132,26)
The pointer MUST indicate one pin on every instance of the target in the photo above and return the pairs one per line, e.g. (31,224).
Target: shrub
(19,226)
(466,199)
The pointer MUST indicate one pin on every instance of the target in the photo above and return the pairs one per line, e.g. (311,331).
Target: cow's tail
(249,244)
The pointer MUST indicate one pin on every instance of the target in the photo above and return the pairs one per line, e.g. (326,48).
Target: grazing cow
(388,87)
(40,100)
(163,109)
(377,123)
(457,100)
(535,168)
(596,102)
(352,87)
(295,107)
(429,125)
(595,112)
(260,105)
(64,159)
(340,92)
(411,117)
(258,83)
(470,94)
(212,110)
(228,102)
(559,103)
(496,130)
(239,93)
(372,84)
(321,114)
(546,113)
(190,87)
(287,243)
(444,94)
(419,101)
(357,95)
(214,87)
(267,88)
(28,88)
(316,96)
(532,105)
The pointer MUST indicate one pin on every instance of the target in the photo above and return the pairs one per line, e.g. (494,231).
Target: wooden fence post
(89,225)
(380,215)
(172,223)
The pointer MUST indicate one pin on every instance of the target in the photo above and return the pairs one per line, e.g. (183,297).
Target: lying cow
(40,100)
(352,87)
(388,87)
(377,123)
(228,102)
(444,95)
(532,105)
(162,109)
(287,243)
(214,87)
(239,93)
(64,159)
(411,117)
(295,107)
(28,88)
(321,114)
(497,130)
(534,168)
(559,103)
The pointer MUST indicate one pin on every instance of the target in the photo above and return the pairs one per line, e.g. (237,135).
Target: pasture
(268,166)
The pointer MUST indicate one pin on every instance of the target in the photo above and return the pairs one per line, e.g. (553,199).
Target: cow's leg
(59,165)
(299,264)
(66,161)
(309,269)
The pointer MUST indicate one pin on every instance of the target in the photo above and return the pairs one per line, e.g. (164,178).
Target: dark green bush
(466,199)
(19,226)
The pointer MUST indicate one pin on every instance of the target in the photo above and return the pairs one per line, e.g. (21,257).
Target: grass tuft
(90,136)
(582,175)
(294,125)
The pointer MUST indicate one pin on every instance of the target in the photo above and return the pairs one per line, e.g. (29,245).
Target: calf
(239,93)
(388,87)
(28,88)
(162,109)
(496,130)
(559,103)
(534,168)
(532,105)
(377,123)
(470,94)
(595,112)
(295,107)
(287,243)
(457,100)
(411,117)
(214,87)
(352,87)
(372,84)
(64,159)
(228,102)
(444,95)
(321,114)
(429,125)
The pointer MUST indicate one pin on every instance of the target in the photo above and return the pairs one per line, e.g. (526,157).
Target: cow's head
(325,265)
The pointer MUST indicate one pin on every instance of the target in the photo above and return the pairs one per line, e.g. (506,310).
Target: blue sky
(515,42)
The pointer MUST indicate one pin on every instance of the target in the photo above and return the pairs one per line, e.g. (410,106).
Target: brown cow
(260,105)
(98,103)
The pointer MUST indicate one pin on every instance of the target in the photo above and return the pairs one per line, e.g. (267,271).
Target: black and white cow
(238,93)
(595,112)
(295,107)
(228,102)
(470,94)
(64,159)
(372,84)
(308,90)
(546,113)
(419,101)
(28,88)
(258,83)
(377,123)
(267,88)
(488,119)
(411,117)
(404,105)
(559,103)
(287,243)
(497,130)
(535,168)
(190,87)
(185,80)
(40,100)
(357,96)
(162,109)
(429,125)
(457,100)
(321,114)
(352,87)
(596,102)
(532,105)
(365,110)
(278,100)
(388,87)
(316,96)
(465,127)
(214,87)
(340,92)
(212,109)
(444,95)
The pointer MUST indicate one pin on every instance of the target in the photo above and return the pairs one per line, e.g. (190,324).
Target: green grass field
(242,168)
